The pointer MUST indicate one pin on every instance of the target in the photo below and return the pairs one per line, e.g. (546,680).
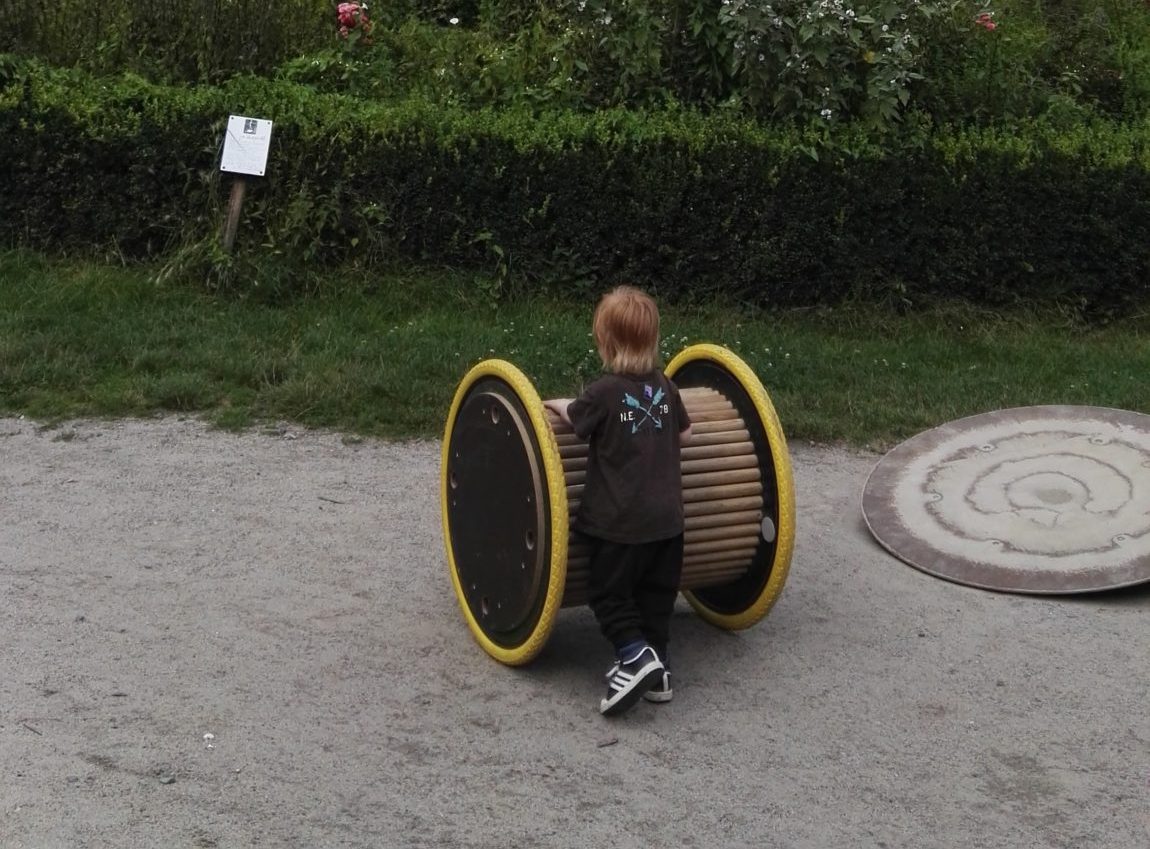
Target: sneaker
(629,679)
(661,692)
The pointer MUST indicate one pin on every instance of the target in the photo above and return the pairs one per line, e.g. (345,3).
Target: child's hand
(559,407)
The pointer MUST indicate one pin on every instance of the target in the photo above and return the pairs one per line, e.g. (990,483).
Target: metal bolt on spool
(512,476)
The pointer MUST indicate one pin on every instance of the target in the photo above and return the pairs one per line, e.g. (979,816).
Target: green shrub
(1078,56)
(796,61)
(177,40)
(688,204)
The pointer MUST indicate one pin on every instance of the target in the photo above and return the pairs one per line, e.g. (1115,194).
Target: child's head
(626,329)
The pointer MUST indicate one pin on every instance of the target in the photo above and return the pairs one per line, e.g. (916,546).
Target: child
(631,513)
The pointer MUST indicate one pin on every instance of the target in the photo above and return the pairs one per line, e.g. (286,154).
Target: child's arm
(559,407)
(685,436)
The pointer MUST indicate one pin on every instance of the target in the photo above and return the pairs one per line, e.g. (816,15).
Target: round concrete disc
(1027,500)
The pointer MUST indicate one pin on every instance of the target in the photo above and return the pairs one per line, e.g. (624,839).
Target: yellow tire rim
(493,399)
(760,594)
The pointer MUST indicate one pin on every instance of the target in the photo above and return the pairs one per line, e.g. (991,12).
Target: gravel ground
(221,640)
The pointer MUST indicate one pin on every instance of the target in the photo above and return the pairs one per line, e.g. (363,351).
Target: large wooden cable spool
(512,477)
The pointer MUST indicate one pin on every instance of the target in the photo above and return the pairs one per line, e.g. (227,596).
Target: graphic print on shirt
(638,413)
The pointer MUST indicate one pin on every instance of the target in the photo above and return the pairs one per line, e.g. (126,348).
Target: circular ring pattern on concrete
(1052,499)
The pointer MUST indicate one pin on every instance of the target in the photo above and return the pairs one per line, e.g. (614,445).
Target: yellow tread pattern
(785,541)
(557,493)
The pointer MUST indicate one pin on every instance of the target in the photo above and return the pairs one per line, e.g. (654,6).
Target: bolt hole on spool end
(512,477)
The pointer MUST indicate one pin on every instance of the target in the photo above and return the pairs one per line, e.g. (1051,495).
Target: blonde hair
(626,330)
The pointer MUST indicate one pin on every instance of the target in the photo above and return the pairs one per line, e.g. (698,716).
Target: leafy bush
(688,204)
(1070,57)
(177,40)
(795,61)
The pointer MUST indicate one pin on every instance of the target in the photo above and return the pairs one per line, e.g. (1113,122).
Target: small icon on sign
(250,126)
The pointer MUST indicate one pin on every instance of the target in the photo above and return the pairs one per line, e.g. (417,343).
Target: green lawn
(382,356)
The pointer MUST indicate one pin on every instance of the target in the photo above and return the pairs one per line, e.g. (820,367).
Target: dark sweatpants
(633,589)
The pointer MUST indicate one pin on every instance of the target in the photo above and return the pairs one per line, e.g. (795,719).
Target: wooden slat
(700,404)
(691,457)
(699,427)
(718,557)
(719,415)
(718,464)
(718,564)
(718,437)
(732,544)
(722,519)
(730,476)
(730,490)
(724,505)
(729,449)
(579,449)
(723,536)
(703,508)
(723,532)
(697,487)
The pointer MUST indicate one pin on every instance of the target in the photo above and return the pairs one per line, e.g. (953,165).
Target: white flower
(453,21)
(826,113)
(885,28)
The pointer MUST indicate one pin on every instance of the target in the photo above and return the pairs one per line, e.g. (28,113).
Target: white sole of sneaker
(626,697)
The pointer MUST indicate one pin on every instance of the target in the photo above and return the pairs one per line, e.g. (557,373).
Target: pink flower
(348,14)
(352,16)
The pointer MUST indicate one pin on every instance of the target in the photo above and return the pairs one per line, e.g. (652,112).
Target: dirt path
(212,640)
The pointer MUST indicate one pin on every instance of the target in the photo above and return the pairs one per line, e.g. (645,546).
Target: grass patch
(382,356)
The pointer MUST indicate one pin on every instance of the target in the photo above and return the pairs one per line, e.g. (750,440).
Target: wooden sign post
(245,154)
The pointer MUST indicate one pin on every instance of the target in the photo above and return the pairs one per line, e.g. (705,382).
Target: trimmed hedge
(685,204)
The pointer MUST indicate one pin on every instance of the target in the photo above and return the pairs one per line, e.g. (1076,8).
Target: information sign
(246,145)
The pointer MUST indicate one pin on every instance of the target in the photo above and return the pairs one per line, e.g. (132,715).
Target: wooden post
(235,205)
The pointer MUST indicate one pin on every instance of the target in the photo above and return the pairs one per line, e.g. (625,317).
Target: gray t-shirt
(634,487)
